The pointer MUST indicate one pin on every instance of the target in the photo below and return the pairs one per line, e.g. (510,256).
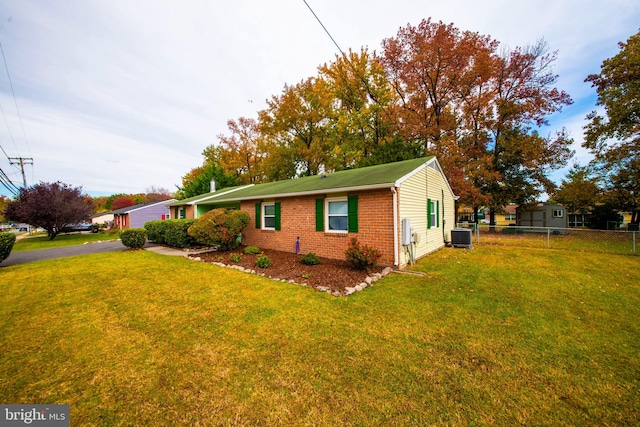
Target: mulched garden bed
(331,274)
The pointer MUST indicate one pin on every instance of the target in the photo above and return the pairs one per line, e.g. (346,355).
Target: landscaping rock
(348,291)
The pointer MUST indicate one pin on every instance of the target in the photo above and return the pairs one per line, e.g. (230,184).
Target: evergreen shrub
(6,244)
(134,238)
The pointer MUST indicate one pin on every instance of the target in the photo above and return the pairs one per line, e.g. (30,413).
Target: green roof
(199,197)
(352,179)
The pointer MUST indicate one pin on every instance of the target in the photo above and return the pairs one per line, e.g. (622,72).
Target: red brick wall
(298,218)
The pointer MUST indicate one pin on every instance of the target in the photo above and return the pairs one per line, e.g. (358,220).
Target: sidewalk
(167,250)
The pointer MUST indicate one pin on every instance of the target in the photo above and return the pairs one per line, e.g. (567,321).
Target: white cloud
(120,95)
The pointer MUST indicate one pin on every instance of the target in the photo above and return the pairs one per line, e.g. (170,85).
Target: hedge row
(172,232)
(6,244)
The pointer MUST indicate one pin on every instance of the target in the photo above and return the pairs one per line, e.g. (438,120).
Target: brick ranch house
(404,209)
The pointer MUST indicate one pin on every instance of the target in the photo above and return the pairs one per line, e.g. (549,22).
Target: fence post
(548,238)
(634,243)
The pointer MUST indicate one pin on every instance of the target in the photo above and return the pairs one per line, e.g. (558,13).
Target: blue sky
(117,96)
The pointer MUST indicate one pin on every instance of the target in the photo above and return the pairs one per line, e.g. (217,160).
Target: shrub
(362,257)
(310,259)
(220,227)
(176,234)
(263,261)
(156,230)
(235,257)
(134,238)
(6,244)
(252,250)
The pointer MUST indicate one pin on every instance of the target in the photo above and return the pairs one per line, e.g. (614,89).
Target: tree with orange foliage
(242,152)
(297,126)
(477,111)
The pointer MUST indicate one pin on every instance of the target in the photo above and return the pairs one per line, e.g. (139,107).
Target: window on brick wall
(337,214)
(268,215)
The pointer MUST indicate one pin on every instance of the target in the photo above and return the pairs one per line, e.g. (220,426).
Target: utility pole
(21,161)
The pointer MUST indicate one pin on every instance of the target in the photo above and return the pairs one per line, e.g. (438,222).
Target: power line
(8,184)
(15,100)
(323,27)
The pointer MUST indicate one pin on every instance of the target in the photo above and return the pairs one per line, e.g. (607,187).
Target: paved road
(41,254)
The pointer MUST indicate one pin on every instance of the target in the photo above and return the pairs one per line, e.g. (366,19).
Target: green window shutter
(352,211)
(319,214)
(438,213)
(429,213)
(277,224)
(258,214)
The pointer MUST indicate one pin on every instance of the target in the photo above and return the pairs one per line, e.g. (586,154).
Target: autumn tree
(614,137)
(579,192)
(479,111)
(444,81)
(363,130)
(297,126)
(524,98)
(4,202)
(198,180)
(243,151)
(51,206)
(156,194)
(120,202)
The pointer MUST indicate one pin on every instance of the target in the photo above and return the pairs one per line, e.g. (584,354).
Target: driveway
(41,254)
(90,248)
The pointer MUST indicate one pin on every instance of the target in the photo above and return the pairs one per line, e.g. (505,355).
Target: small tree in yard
(51,206)
(220,227)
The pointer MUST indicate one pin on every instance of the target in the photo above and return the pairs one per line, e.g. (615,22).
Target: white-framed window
(558,213)
(337,211)
(510,217)
(433,216)
(269,216)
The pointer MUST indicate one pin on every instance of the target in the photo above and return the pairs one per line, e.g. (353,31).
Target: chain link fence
(574,239)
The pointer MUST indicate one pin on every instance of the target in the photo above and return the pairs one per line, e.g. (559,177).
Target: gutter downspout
(396,260)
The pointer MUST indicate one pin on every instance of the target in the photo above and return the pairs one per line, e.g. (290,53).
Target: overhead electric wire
(8,184)
(15,100)
(323,27)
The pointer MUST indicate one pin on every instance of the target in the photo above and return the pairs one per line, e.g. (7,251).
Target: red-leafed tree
(122,202)
(51,206)
(478,111)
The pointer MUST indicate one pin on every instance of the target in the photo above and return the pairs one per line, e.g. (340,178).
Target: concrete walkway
(90,248)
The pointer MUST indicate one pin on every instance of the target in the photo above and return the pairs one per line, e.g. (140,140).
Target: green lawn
(41,240)
(495,335)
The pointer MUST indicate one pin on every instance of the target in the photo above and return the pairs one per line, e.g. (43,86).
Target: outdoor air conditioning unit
(461,238)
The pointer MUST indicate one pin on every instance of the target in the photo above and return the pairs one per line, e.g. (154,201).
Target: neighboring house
(404,209)
(102,217)
(135,216)
(508,215)
(542,215)
(577,219)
